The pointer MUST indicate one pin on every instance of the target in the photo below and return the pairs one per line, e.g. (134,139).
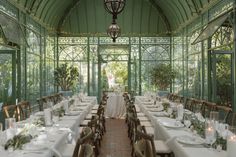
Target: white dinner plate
(34,147)
(159,109)
(173,124)
(73,113)
(161,114)
(190,140)
(40,113)
(77,109)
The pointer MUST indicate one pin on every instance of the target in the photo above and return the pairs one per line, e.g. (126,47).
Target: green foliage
(119,69)
(66,76)
(162,76)
(105,85)
(223,79)
(60,112)
(18,141)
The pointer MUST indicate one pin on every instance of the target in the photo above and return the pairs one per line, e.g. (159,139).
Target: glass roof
(140,17)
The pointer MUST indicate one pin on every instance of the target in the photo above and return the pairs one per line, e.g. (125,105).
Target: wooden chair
(86,150)
(143,148)
(11,111)
(233,119)
(189,104)
(207,108)
(24,109)
(197,105)
(94,125)
(224,113)
(83,146)
(158,147)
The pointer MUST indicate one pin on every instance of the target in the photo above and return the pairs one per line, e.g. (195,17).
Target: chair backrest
(142,134)
(10,111)
(207,108)
(86,150)
(189,104)
(233,119)
(24,109)
(142,148)
(86,138)
(197,105)
(224,112)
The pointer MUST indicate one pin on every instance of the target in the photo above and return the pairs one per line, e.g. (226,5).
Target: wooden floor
(115,142)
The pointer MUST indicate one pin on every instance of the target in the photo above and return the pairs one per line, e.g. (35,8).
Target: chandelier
(114,7)
(114,31)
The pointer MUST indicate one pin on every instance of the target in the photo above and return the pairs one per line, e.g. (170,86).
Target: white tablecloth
(57,139)
(115,106)
(169,135)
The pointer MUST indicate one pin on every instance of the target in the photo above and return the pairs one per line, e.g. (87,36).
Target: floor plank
(115,142)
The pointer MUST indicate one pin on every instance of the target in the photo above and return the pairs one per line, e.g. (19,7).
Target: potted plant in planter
(65,77)
(162,76)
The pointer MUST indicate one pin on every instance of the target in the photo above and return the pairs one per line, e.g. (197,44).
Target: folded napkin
(161,114)
(70,137)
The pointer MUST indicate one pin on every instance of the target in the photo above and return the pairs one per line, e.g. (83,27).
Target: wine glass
(214,116)
(10,123)
(1,127)
(187,121)
(169,110)
(210,132)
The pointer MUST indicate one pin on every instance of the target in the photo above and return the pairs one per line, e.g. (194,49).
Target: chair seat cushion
(84,123)
(67,150)
(161,147)
(143,119)
(150,130)
(137,108)
(88,117)
(95,107)
(140,114)
(94,112)
(146,123)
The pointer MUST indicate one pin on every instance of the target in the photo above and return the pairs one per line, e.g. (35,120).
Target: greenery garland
(18,141)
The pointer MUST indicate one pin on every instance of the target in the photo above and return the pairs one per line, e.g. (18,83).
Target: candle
(180,112)
(16,101)
(48,117)
(231,142)
(231,146)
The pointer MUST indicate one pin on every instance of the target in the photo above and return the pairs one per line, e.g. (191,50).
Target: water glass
(210,132)
(222,129)
(10,123)
(214,116)
(231,142)
(169,110)
(187,121)
(1,127)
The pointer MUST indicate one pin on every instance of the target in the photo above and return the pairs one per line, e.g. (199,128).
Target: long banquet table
(115,105)
(57,135)
(169,135)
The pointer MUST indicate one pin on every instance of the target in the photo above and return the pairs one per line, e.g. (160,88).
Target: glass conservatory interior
(195,37)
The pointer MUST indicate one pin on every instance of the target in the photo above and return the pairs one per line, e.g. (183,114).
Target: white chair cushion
(146,123)
(85,122)
(89,116)
(94,112)
(143,119)
(67,150)
(161,147)
(140,114)
(150,130)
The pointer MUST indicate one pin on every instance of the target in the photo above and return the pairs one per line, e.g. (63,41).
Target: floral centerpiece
(198,126)
(24,136)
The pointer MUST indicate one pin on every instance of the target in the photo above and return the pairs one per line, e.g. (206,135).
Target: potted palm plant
(66,77)
(162,76)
